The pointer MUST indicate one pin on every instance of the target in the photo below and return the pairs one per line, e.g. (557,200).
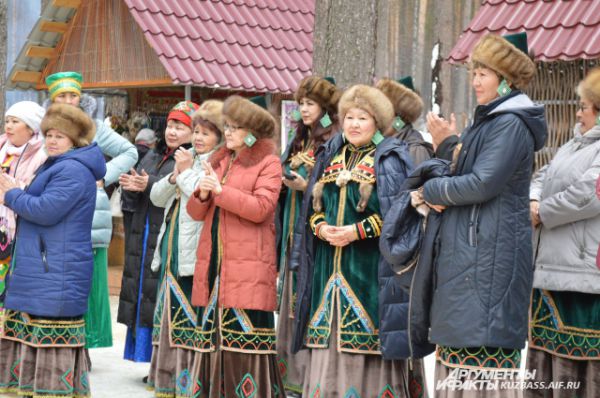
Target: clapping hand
(134,182)
(183,160)
(209,183)
(440,128)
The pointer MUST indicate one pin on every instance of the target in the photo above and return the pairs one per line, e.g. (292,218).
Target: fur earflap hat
(249,116)
(321,90)
(589,88)
(503,57)
(370,100)
(407,104)
(212,112)
(71,121)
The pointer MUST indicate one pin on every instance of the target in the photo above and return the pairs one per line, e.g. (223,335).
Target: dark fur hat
(589,88)
(71,121)
(370,100)
(407,104)
(318,89)
(249,116)
(498,54)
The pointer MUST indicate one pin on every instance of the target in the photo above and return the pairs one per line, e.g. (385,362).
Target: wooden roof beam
(54,27)
(66,3)
(23,76)
(40,52)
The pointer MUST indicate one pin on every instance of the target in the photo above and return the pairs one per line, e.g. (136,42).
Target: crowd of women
(375,247)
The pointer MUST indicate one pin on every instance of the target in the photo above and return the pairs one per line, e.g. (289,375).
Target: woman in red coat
(234,280)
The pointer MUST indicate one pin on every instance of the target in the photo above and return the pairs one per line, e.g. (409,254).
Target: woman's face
(177,134)
(68,98)
(17,132)
(57,143)
(586,115)
(204,139)
(310,111)
(485,83)
(234,136)
(359,127)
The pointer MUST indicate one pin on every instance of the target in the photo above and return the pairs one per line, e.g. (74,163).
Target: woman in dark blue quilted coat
(50,279)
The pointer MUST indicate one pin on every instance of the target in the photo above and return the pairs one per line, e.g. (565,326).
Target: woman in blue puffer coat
(49,283)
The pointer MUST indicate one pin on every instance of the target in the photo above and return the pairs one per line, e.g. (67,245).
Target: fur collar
(248,157)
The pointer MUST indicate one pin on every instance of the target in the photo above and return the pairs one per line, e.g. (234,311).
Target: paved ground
(112,376)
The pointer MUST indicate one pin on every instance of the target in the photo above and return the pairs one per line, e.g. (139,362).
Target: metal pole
(188,93)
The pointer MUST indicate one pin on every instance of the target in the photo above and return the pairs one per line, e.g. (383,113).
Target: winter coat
(157,165)
(33,156)
(123,157)
(247,229)
(392,165)
(52,268)
(407,244)
(484,270)
(163,194)
(568,238)
(419,149)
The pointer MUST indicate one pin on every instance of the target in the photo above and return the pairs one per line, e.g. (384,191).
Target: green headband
(64,82)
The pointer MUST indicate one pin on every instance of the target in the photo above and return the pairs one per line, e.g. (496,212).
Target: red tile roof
(248,45)
(556,30)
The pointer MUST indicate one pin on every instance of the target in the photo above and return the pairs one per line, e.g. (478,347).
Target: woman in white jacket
(175,257)
(564,330)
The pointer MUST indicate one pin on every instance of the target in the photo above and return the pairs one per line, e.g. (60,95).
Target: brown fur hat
(250,116)
(589,88)
(370,100)
(212,112)
(320,90)
(71,121)
(501,56)
(407,104)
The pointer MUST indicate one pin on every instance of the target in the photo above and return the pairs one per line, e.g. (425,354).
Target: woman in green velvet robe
(342,330)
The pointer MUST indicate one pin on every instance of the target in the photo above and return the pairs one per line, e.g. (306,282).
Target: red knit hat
(183,112)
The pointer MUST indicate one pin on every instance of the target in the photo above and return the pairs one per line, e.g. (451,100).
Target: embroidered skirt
(45,357)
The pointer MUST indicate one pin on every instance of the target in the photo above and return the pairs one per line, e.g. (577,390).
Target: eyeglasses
(230,127)
(583,107)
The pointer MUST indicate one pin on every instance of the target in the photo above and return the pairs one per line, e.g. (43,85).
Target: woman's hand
(6,184)
(338,236)
(211,178)
(534,211)
(297,184)
(183,160)
(438,208)
(134,182)
(440,128)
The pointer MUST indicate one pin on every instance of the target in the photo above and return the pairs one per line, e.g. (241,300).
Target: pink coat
(247,229)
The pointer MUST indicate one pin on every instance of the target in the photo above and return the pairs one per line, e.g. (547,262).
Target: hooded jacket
(123,157)
(568,238)
(52,267)
(483,272)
